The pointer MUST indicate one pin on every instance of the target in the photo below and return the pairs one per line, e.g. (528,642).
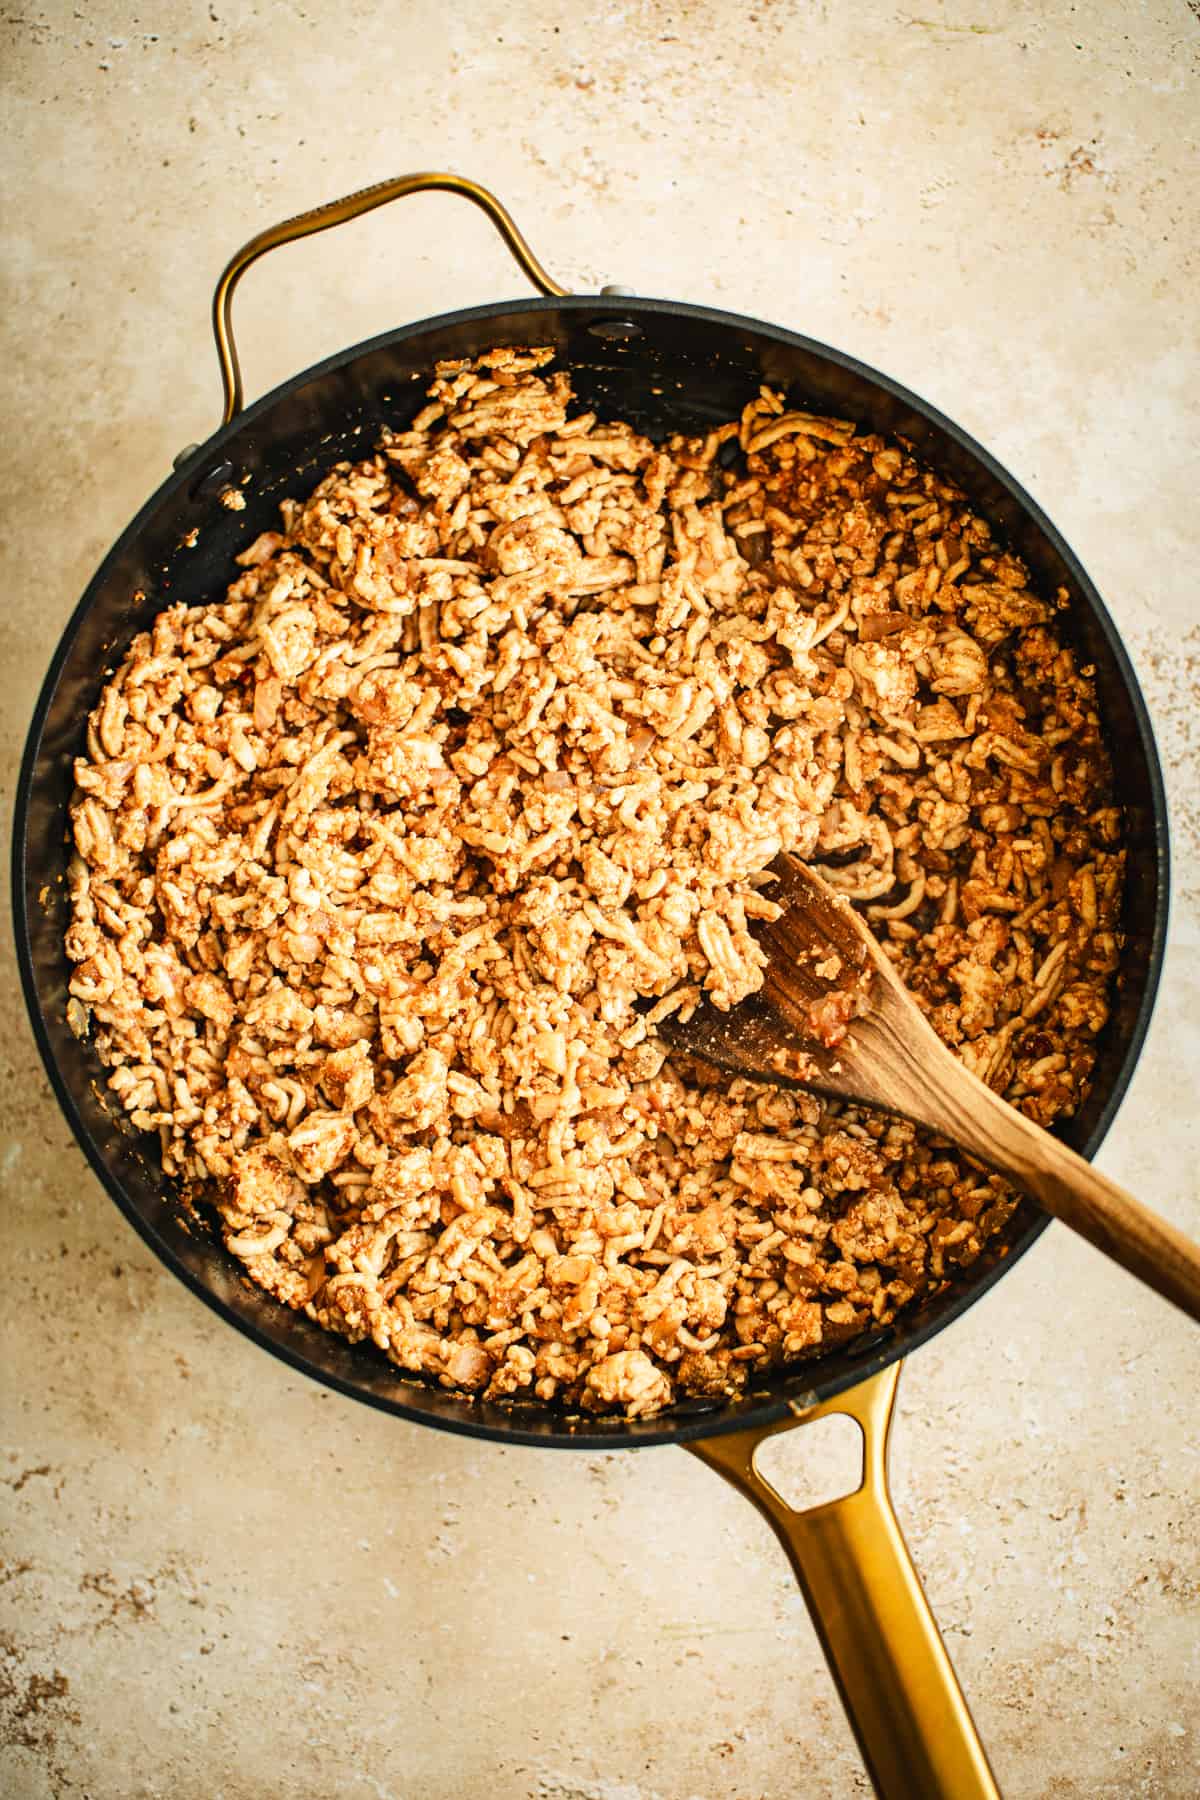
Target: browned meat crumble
(496,736)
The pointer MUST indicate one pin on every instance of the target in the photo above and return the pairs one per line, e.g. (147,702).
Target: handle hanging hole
(809,1468)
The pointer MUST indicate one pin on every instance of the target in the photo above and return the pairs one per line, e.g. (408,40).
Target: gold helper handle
(883,1647)
(336,212)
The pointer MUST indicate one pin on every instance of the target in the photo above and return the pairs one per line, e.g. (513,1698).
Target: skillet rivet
(616,330)
(210,484)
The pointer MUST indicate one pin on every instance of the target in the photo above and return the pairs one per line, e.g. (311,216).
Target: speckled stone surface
(221,1582)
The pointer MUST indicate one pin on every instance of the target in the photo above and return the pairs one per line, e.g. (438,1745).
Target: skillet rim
(674,1429)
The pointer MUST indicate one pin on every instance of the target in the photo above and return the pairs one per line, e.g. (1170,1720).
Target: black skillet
(664,367)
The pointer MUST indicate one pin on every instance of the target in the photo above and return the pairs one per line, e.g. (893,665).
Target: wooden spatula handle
(1139,1240)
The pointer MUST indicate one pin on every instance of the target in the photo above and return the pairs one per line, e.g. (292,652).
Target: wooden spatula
(834,1016)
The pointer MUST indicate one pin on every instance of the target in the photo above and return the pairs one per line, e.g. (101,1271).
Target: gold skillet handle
(885,1652)
(336,212)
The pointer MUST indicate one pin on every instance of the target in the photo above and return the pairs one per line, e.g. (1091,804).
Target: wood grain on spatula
(834,1016)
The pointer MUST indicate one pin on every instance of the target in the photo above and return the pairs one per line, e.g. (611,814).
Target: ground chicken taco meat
(495,737)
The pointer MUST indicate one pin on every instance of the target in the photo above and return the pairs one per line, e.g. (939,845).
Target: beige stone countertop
(221,1581)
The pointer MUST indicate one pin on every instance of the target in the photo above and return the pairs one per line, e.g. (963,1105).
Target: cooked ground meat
(497,736)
